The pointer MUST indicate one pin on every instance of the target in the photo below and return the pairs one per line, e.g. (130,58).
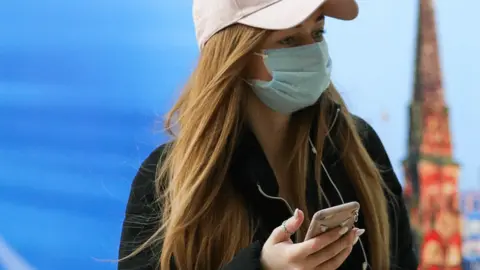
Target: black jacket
(249,167)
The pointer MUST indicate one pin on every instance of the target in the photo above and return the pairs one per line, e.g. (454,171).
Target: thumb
(283,232)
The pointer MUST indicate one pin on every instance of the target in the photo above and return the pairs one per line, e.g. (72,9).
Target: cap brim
(286,14)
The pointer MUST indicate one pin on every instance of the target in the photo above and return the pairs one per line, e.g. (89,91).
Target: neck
(270,129)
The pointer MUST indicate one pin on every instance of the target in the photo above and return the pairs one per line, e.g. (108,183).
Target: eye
(288,41)
(318,35)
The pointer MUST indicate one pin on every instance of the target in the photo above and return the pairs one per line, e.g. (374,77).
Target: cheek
(257,70)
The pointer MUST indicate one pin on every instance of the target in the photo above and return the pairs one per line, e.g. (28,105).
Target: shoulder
(402,241)
(370,139)
(142,193)
(141,216)
(369,136)
(149,166)
(376,150)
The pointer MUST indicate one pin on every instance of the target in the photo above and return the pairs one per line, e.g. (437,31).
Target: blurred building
(431,189)
(470,208)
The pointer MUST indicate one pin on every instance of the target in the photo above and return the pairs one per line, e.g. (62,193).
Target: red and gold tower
(431,190)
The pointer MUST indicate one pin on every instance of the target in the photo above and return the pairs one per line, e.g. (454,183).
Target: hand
(325,252)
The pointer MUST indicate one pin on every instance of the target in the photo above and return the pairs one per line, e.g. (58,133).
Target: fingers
(332,251)
(358,233)
(336,261)
(291,225)
(335,254)
(315,244)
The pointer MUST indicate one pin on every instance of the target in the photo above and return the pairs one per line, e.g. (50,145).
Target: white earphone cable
(365,264)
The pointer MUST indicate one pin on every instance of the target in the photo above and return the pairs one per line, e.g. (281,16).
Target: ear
(256,68)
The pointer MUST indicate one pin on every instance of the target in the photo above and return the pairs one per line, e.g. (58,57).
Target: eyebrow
(319,19)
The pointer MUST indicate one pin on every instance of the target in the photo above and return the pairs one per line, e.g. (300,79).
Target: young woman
(258,131)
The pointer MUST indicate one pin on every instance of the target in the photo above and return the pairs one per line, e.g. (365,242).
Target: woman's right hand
(325,252)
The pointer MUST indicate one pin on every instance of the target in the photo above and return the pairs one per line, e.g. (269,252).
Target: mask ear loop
(264,56)
(247,82)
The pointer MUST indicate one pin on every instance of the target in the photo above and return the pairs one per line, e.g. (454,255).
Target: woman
(259,131)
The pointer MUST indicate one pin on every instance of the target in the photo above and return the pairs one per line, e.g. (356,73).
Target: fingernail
(355,240)
(359,232)
(343,231)
(295,214)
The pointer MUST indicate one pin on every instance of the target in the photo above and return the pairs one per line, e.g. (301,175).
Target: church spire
(431,190)
(429,124)
(428,80)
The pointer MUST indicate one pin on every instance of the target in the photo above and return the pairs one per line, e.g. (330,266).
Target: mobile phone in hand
(344,215)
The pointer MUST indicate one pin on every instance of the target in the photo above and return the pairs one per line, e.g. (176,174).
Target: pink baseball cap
(211,16)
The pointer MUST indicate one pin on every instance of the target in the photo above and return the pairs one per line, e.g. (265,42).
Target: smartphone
(344,215)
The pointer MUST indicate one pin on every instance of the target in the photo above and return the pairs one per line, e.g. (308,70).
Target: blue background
(84,84)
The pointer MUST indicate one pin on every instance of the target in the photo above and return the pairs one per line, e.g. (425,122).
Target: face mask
(300,76)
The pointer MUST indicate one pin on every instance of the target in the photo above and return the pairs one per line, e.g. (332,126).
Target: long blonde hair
(203,221)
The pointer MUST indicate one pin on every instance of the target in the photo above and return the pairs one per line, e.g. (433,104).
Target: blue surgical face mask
(300,76)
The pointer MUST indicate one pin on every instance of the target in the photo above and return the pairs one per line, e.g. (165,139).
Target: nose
(310,40)
(307,39)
